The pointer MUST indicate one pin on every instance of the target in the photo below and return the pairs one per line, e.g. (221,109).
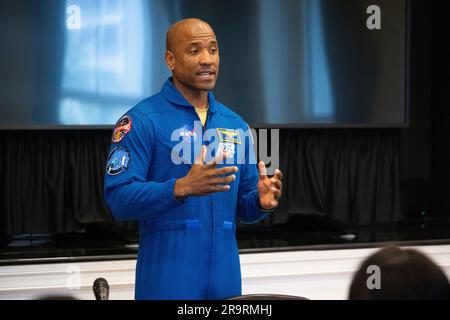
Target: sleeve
(127,192)
(248,209)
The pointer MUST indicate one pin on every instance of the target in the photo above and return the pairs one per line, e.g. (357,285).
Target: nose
(206,58)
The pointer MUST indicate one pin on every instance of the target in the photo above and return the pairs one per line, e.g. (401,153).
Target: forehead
(196,32)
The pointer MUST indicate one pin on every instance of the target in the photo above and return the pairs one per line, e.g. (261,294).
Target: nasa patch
(187,134)
(118,160)
(123,126)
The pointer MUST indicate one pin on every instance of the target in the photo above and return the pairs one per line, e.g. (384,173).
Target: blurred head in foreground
(393,273)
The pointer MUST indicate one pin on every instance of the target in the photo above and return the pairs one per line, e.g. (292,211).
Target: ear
(170,60)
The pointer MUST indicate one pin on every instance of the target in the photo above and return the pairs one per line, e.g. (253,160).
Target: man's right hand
(205,178)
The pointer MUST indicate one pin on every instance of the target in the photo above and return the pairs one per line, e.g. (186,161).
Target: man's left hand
(269,189)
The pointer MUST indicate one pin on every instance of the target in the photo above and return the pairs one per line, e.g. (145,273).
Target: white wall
(323,274)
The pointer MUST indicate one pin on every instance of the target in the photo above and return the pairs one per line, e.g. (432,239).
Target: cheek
(191,68)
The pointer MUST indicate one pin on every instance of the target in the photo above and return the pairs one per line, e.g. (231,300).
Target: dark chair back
(268,297)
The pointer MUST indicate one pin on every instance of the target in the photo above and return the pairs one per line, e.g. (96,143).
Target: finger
(278,174)
(200,159)
(272,204)
(219,188)
(276,183)
(262,170)
(276,192)
(225,170)
(225,180)
(218,159)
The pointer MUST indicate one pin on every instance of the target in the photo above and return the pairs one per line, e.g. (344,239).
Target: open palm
(269,189)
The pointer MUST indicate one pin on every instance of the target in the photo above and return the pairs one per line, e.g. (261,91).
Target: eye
(194,51)
(213,50)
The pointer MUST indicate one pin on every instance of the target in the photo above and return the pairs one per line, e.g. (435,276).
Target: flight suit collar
(171,93)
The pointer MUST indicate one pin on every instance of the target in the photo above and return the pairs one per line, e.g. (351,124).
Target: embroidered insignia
(229,135)
(187,134)
(118,160)
(123,126)
(228,147)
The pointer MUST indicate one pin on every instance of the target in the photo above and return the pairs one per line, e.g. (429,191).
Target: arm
(127,192)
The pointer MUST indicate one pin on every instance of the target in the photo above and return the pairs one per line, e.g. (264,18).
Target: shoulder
(146,110)
(227,111)
(151,105)
(231,115)
(136,121)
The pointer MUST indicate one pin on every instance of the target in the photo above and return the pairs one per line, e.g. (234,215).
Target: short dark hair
(404,274)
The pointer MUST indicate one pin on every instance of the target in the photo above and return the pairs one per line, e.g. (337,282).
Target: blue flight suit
(187,247)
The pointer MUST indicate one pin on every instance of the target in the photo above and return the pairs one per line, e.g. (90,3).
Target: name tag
(229,135)
(229,147)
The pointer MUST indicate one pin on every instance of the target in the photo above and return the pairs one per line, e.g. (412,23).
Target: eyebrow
(196,42)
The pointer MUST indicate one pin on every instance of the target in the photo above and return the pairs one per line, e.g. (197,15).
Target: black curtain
(52,181)
(347,175)
(440,114)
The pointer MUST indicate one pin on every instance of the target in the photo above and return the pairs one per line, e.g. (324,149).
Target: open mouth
(206,74)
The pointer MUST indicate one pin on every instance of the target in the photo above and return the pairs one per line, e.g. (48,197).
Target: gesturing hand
(269,189)
(205,178)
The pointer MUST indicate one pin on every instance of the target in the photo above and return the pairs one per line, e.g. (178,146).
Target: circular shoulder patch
(122,127)
(117,161)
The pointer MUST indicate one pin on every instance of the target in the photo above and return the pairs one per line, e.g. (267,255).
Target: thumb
(262,170)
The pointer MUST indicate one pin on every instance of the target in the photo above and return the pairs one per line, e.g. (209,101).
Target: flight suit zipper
(211,231)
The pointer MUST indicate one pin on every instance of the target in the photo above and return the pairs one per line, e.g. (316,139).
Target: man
(187,212)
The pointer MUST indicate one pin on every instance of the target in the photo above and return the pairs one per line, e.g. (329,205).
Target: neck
(199,99)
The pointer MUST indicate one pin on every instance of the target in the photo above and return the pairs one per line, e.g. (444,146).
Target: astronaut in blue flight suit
(186,176)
